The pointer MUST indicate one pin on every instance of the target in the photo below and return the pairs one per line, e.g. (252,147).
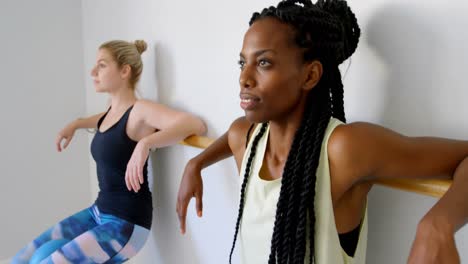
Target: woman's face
(106,73)
(273,73)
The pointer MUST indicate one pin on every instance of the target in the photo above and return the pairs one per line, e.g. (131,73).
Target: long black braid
(244,183)
(328,32)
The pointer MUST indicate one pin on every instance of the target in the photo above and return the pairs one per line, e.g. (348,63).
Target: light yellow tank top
(256,228)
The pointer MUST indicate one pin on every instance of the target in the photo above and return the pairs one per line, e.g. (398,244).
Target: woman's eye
(241,64)
(263,63)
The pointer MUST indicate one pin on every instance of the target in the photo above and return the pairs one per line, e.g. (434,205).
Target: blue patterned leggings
(86,237)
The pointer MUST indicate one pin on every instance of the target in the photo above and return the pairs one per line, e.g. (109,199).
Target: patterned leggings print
(86,237)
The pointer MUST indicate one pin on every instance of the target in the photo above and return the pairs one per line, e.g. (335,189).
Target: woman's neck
(282,132)
(122,99)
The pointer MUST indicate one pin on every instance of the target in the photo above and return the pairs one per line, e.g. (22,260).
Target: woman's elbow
(196,125)
(201,127)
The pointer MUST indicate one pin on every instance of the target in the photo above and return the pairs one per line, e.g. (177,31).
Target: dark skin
(276,79)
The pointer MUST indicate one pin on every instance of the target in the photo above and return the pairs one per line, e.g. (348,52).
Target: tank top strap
(102,117)
(124,119)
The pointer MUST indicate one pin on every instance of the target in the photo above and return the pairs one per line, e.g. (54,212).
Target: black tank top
(112,150)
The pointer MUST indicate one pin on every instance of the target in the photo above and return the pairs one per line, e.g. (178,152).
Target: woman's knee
(47,249)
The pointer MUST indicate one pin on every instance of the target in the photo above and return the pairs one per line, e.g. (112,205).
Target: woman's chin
(255,117)
(99,90)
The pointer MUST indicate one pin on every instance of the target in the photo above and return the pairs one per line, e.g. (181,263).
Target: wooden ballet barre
(434,188)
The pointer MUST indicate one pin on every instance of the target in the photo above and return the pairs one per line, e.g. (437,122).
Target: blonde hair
(127,53)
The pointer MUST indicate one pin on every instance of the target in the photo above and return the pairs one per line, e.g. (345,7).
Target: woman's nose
(93,71)
(246,78)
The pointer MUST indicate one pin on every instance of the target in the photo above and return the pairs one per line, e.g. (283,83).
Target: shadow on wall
(171,246)
(200,244)
(164,72)
(166,83)
(163,236)
(412,43)
(408,47)
(408,44)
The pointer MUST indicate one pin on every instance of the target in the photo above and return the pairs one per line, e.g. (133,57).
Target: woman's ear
(313,74)
(125,71)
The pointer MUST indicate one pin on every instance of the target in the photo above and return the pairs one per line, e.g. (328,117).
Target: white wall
(42,89)
(407,74)
(410,73)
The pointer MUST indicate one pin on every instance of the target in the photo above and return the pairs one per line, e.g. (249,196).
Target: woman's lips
(248,102)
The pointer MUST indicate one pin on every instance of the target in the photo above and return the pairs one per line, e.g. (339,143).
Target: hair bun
(351,31)
(140,45)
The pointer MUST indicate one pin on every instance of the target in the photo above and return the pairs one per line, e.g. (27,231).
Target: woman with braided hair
(116,226)
(305,173)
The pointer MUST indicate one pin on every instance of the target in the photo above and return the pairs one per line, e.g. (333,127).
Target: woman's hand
(134,174)
(434,244)
(190,186)
(65,134)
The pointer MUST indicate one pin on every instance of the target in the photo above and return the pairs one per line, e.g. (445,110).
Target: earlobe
(314,71)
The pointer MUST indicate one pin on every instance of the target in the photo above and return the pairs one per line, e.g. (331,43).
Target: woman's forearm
(217,151)
(451,211)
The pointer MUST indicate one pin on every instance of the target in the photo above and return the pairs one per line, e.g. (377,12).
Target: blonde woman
(116,226)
